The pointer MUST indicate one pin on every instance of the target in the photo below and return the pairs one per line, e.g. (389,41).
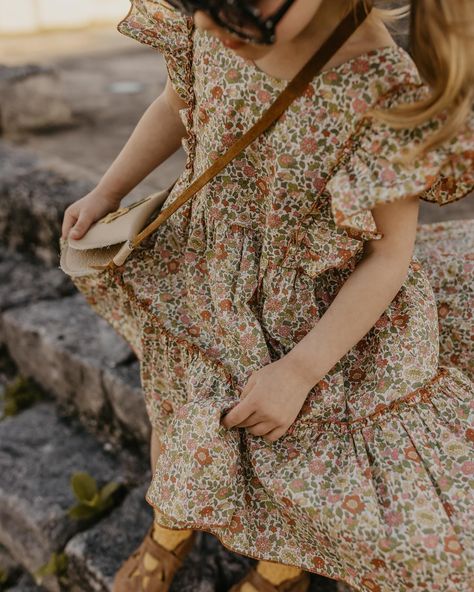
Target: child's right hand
(81,214)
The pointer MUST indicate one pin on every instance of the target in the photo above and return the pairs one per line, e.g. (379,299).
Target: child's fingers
(237,414)
(275,434)
(262,428)
(251,420)
(82,224)
(69,220)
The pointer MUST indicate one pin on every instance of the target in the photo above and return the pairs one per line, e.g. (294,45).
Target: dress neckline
(373,53)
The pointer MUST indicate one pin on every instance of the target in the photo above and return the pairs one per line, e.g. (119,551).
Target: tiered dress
(373,483)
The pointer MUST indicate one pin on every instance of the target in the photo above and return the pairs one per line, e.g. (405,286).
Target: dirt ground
(109,80)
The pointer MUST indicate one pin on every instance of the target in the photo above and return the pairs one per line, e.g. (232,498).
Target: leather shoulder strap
(294,89)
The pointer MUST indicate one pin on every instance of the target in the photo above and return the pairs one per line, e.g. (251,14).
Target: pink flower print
(309,145)
(262,544)
(286,160)
(388,175)
(185,319)
(431,541)
(394,518)
(331,77)
(194,330)
(273,220)
(223,492)
(317,467)
(263,96)
(248,341)
(248,171)
(359,105)
(321,115)
(297,485)
(360,66)
(233,75)
(228,139)
(283,330)
(468,467)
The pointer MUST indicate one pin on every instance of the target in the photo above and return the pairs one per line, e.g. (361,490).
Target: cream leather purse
(111,239)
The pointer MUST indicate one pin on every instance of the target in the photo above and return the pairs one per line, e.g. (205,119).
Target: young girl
(288,338)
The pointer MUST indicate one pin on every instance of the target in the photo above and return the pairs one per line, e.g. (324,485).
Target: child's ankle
(169,538)
(277,573)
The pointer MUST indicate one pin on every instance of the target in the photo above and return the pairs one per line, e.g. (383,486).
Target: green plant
(92,501)
(20,394)
(56,565)
(3,577)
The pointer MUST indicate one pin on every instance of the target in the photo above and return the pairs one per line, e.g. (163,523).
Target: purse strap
(294,89)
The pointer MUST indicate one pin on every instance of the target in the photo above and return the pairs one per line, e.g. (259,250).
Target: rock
(125,395)
(93,561)
(26,584)
(34,194)
(23,282)
(39,452)
(31,99)
(9,568)
(77,355)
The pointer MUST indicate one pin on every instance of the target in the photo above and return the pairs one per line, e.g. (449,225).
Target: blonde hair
(441,44)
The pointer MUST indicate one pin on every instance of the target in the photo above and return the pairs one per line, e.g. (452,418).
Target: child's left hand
(270,401)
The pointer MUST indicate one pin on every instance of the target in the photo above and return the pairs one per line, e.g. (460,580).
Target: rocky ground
(69,385)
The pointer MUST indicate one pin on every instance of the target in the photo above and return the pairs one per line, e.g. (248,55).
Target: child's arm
(275,393)
(365,295)
(156,137)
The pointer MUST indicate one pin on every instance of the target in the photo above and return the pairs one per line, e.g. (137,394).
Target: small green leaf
(94,502)
(109,489)
(81,512)
(84,486)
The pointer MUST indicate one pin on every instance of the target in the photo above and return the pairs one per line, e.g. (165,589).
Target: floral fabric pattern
(373,483)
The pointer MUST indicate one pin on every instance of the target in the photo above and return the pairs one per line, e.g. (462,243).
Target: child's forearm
(157,136)
(360,302)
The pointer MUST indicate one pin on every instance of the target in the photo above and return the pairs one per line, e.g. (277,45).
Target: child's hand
(81,214)
(272,399)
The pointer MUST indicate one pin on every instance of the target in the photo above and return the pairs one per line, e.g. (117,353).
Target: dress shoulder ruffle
(370,171)
(158,24)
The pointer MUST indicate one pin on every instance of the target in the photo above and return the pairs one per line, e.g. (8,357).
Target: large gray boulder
(39,451)
(31,99)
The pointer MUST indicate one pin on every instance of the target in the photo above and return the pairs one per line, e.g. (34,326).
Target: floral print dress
(373,483)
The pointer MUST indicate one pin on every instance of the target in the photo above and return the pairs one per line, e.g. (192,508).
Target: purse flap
(120,225)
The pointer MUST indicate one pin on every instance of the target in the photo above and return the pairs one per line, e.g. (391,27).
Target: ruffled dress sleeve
(370,173)
(158,24)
